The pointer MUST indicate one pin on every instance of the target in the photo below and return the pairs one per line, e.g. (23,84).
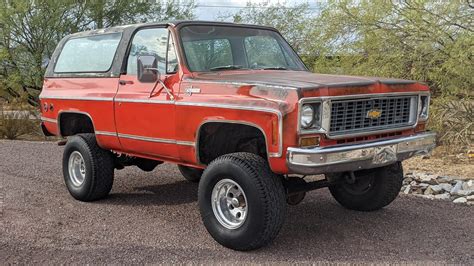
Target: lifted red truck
(236,109)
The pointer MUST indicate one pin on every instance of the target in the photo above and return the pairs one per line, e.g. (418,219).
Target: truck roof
(175,24)
(127,31)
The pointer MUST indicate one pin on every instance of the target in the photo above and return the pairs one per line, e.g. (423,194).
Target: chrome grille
(352,116)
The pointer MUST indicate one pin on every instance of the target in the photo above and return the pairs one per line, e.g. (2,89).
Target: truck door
(145,117)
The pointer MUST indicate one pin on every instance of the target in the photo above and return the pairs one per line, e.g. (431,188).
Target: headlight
(424,107)
(307,116)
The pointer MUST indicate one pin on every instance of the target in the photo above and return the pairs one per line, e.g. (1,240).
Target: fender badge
(374,113)
(191,90)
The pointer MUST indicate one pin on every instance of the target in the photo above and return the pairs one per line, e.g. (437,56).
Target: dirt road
(153,217)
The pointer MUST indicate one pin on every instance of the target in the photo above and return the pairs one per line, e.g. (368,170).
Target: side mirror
(147,68)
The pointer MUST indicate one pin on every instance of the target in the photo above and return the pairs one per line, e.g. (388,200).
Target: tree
(292,22)
(30,30)
(27,36)
(430,41)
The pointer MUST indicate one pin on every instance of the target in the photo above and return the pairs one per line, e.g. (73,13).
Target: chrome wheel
(77,168)
(229,204)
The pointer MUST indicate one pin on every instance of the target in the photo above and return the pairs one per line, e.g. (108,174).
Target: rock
(436,189)
(444,179)
(446,187)
(460,200)
(413,183)
(468,185)
(428,191)
(407,189)
(444,196)
(426,178)
(431,197)
(456,187)
(470,198)
(426,156)
(463,193)
(417,191)
(423,185)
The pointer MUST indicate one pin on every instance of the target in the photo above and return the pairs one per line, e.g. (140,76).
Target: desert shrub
(453,119)
(19,122)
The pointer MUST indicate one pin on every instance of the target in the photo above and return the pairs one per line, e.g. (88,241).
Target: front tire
(242,202)
(371,190)
(88,170)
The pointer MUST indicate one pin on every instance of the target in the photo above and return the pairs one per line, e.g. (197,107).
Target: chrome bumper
(359,156)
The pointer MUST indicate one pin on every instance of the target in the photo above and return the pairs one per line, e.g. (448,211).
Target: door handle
(125,82)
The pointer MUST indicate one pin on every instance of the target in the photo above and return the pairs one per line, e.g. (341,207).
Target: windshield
(217,48)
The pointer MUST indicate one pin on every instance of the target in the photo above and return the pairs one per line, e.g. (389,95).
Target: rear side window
(88,54)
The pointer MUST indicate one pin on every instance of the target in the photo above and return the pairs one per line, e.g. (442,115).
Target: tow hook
(62,142)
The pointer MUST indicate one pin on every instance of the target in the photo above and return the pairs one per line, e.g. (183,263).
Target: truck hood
(295,79)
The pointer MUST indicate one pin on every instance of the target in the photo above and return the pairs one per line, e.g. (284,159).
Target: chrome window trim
(326,116)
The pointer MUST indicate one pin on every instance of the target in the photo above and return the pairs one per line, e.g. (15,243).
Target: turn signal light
(420,127)
(309,141)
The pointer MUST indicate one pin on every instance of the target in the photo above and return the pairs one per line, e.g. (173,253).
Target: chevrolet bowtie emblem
(374,113)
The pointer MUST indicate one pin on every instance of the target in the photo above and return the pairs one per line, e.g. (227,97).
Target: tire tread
(271,193)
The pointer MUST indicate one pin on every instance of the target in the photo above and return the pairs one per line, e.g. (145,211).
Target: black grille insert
(360,115)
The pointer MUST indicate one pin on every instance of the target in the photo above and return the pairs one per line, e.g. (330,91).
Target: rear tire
(242,202)
(372,190)
(190,173)
(88,170)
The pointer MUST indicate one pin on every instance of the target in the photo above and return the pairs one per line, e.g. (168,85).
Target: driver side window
(156,42)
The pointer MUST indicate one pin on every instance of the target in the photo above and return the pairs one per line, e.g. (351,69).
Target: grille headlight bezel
(424,107)
(307,116)
(316,123)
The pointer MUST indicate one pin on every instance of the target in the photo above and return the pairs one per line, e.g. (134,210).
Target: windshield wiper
(274,68)
(228,67)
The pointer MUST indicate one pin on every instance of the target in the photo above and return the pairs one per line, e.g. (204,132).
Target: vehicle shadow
(176,193)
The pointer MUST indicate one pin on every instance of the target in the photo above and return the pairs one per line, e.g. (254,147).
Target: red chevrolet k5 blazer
(236,109)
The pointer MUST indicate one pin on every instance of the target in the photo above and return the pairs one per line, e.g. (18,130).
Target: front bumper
(355,157)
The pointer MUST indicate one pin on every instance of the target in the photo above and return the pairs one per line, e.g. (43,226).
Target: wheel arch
(81,118)
(227,122)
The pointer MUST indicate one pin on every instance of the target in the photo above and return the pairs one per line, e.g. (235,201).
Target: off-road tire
(266,200)
(190,173)
(99,168)
(385,187)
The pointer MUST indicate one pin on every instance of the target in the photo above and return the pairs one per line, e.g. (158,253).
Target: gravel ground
(153,217)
